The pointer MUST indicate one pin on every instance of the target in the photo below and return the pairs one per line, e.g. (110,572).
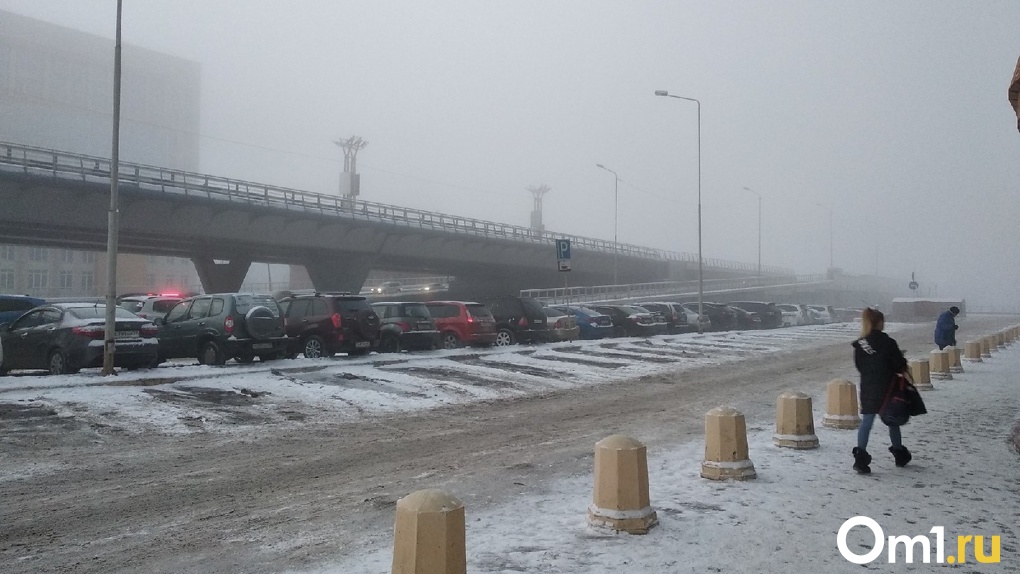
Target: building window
(38,279)
(65,280)
(89,256)
(88,281)
(7,252)
(7,280)
(66,256)
(37,254)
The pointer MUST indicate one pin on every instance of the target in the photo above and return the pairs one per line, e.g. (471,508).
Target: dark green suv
(221,326)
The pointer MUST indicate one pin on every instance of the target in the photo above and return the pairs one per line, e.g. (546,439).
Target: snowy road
(296,466)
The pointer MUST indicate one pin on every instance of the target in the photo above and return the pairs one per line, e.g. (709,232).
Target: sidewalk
(965,476)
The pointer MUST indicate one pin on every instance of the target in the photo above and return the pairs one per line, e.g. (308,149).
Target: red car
(462,323)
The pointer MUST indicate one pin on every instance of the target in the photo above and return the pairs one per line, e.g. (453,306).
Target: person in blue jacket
(945,328)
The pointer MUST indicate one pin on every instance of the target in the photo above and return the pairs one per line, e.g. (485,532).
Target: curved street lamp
(616,220)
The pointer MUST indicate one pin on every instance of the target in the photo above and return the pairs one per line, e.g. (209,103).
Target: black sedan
(632,321)
(65,337)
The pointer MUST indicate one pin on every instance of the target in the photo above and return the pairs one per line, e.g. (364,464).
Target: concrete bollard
(972,351)
(841,409)
(795,424)
(940,366)
(921,373)
(955,365)
(1000,340)
(726,446)
(620,500)
(986,350)
(428,537)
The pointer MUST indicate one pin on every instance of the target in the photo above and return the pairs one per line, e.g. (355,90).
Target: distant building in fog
(56,91)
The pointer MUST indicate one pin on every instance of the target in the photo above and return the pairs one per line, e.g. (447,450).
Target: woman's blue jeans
(864,431)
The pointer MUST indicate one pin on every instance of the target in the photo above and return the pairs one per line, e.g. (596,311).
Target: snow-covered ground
(183,397)
(965,477)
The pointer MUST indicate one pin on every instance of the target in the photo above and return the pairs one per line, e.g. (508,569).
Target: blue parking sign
(563,249)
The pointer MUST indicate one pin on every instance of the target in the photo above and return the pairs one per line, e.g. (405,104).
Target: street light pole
(616,221)
(759,227)
(701,274)
(109,330)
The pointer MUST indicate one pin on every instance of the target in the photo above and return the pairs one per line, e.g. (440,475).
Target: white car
(825,313)
(795,315)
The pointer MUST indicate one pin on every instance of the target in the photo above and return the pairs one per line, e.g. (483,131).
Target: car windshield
(99,312)
(553,312)
(634,310)
(477,310)
(419,311)
(533,306)
(133,306)
(246,303)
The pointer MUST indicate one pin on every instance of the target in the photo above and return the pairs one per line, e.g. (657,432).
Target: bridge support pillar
(339,274)
(221,277)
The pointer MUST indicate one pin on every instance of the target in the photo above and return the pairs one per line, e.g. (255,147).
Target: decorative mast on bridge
(536,212)
(350,180)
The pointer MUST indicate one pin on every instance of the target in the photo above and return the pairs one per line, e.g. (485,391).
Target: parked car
(770,315)
(590,323)
(149,306)
(747,319)
(722,317)
(795,315)
(405,326)
(463,323)
(323,324)
(697,322)
(14,306)
(518,320)
(216,327)
(825,312)
(389,287)
(562,325)
(673,313)
(65,337)
(632,321)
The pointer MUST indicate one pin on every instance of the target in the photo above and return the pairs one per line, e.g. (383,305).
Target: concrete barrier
(726,446)
(955,364)
(795,424)
(428,537)
(986,350)
(620,500)
(940,366)
(972,351)
(1000,340)
(920,371)
(841,408)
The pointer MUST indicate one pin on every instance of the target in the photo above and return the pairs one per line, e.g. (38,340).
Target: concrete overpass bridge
(60,199)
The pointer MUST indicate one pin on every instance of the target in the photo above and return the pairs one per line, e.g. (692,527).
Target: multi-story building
(56,91)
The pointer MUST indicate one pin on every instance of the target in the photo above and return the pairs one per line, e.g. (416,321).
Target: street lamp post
(701,274)
(759,227)
(616,221)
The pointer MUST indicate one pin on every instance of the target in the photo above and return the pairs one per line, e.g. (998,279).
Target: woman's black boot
(901,454)
(861,460)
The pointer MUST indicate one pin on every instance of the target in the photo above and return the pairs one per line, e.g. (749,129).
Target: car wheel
(211,354)
(389,344)
(312,348)
(504,338)
(57,363)
(245,359)
(451,341)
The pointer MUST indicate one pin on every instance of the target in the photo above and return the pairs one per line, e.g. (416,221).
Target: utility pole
(110,331)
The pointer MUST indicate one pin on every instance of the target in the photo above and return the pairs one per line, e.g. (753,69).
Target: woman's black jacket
(878,358)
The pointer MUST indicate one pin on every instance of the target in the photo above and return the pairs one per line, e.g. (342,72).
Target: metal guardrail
(589,294)
(66,165)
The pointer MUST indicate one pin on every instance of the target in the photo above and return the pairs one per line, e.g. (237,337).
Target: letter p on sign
(562,249)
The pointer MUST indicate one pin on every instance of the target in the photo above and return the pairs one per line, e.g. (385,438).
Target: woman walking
(879,359)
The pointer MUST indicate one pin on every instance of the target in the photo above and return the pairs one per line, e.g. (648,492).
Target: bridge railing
(85,168)
(592,293)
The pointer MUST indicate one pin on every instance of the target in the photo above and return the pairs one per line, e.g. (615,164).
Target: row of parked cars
(63,337)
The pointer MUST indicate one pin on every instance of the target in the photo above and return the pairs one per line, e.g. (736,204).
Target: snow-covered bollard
(955,365)
(841,410)
(972,351)
(428,537)
(726,446)
(1000,340)
(921,373)
(986,347)
(940,366)
(795,424)
(620,501)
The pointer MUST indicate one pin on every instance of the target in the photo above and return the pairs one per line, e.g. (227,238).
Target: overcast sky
(891,115)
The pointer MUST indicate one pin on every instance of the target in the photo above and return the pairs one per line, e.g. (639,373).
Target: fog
(890,116)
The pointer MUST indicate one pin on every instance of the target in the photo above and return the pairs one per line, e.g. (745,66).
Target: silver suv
(150,307)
